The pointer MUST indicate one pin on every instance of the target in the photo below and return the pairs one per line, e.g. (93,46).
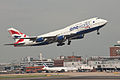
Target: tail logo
(16,35)
(45,65)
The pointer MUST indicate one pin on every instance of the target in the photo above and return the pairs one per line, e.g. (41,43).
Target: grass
(27,76)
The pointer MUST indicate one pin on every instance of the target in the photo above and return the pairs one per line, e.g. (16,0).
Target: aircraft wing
(48,39)
(35,37)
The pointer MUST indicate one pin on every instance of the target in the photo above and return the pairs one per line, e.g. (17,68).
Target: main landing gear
(60,44)
(69,42)
(98,33)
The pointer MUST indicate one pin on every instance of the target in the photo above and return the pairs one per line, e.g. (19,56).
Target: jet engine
(61,38)
(40,39)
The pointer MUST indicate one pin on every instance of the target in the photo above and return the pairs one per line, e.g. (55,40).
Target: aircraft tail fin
(16,35)
(45,65)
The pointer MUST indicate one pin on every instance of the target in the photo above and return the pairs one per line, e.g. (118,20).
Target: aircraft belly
(42,43)
(89,30)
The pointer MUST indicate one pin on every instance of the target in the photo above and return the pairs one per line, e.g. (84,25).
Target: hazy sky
(34,17)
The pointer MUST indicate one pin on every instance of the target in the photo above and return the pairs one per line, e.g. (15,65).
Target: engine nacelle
(60,38)
(78,37)
(40,39)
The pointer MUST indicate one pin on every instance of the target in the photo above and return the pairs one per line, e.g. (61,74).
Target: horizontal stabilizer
(10,44)
(15,44)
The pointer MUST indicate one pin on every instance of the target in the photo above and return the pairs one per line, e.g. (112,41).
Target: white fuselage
(60,68)
(74,31)
(81,26)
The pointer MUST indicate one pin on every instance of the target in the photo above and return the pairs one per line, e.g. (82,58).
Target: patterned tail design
(45,65)
(16,35)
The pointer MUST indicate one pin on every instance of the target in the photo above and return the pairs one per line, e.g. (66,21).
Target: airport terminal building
(104,63)
(95,63)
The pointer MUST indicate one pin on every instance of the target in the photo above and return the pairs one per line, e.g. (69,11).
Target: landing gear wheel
(98,32)
(69,42)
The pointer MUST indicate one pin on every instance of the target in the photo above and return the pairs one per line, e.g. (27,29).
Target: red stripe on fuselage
(87,27)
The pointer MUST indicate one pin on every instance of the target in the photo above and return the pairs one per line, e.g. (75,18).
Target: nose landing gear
(98,33)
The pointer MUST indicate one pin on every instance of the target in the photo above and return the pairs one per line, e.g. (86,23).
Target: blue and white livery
(74,31)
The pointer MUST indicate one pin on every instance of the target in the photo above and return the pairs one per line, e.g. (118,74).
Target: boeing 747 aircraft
(58,69)
(72,32)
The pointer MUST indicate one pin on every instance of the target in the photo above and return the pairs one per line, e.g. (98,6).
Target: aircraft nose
(105,21)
